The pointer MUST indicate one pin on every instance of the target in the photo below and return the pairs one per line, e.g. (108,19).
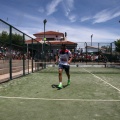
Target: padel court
(94,94)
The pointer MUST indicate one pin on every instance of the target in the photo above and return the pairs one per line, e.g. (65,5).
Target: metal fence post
(111,51)
(28,55)
(32,55)
(10,60)
(86,52)
(98,53)
(23,54)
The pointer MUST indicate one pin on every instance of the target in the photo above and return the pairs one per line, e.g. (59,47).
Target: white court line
(103,80)
(50,99)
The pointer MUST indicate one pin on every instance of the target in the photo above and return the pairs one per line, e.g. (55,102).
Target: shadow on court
(56,86)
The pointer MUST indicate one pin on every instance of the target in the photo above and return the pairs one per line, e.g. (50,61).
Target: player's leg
(67,70)
(60,70)
(60,75)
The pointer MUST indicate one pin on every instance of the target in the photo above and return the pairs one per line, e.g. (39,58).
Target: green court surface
(94,94)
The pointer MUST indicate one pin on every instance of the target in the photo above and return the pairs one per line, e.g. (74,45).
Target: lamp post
(91,39)
(44,21)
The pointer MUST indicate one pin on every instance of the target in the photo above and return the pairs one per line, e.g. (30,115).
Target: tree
(4,37)
(117,45)
(17,39)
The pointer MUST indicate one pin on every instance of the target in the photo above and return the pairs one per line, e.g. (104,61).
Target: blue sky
(79,18)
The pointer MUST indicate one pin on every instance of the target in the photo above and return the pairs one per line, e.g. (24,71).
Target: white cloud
(72,18)
(31,17)
(41,10)
(51,8)
(102,16)
(106,15)
(85,19)
(67,11)
(68,6)
(83,34)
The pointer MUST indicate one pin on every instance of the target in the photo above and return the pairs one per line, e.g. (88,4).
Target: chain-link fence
(96,53)
(17,58)
(20,54)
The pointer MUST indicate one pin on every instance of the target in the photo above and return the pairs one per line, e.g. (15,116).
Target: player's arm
(70,58)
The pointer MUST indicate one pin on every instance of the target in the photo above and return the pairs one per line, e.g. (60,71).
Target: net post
(98,53)
(86,51)
(111,52)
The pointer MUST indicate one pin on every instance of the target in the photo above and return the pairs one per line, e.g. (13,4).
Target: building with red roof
(53,38)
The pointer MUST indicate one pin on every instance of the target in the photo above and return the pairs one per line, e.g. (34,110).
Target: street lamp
(91,39)
(44,21)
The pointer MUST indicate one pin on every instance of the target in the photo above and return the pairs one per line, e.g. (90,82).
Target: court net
(79,68)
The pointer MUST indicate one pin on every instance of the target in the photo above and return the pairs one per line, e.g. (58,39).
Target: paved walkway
(6,77)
